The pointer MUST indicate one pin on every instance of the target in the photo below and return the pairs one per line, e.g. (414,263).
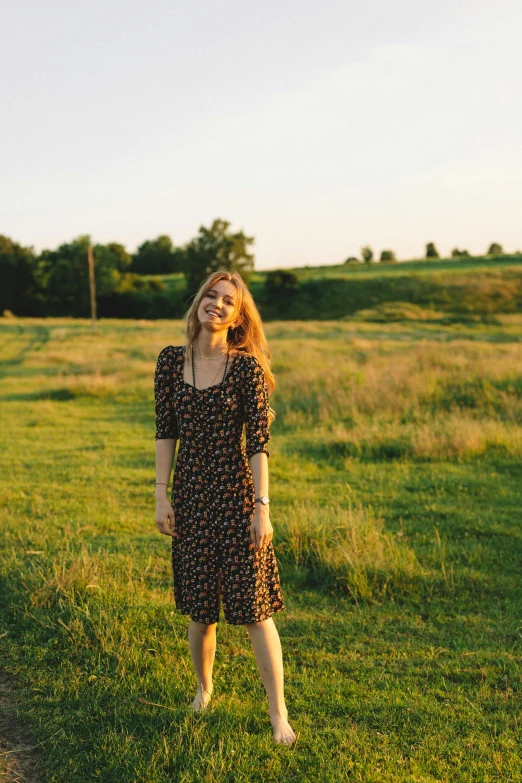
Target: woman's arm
(259,466)
(165,449)
(256,406)
(261,530)
(166,439)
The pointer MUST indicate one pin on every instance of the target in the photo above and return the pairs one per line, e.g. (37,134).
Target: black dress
(213,491)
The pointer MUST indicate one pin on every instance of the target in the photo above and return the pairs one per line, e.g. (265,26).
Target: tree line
(389,256)
(56,282)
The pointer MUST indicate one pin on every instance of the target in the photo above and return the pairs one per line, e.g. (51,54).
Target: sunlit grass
(395,495)
(348,548)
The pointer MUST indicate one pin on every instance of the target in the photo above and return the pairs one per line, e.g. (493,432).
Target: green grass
(396,492)
(422,265)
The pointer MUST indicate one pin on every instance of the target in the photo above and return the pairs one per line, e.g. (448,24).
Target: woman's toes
(284,733)
(201,700)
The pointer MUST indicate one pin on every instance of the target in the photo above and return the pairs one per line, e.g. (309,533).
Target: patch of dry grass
(452,437)
(391,398)
(348,546)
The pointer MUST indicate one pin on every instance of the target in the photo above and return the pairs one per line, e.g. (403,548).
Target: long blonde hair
(248,336)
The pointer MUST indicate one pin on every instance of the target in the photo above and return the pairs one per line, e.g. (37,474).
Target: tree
(123,259)
(495,249)
(456,253)
(352,260)
(63,276)
(216,248)
(367,254)
(156,257)
(431,250)
(17,273)
(388,256)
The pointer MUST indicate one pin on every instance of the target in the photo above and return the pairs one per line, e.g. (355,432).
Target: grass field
(396,487)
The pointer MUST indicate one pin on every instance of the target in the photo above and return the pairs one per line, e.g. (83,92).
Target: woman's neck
(211,343)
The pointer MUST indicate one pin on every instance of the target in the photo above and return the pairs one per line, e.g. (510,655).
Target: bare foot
(283,732)
(202,699)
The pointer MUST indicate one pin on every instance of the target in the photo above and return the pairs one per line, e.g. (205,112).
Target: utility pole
(90,259)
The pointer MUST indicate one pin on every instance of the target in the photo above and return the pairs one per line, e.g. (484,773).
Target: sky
(315,127)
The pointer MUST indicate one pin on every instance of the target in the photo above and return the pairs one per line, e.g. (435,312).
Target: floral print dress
(213,558)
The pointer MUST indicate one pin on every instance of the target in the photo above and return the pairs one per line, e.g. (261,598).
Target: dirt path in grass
(19,759)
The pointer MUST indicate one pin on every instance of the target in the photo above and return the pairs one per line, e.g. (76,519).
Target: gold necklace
(211,358)
(215,374)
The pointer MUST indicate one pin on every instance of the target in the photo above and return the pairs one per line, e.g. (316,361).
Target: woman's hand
(261,530)
(165,517)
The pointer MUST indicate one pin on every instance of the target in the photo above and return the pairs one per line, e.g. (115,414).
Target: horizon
(355,259)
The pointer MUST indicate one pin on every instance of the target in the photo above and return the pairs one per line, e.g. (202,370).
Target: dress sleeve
(255,405)
(166,424)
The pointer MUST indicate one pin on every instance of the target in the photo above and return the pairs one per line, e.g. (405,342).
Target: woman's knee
(259,626)
(203,628)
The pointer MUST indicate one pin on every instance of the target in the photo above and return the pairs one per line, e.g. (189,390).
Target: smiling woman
(206,392)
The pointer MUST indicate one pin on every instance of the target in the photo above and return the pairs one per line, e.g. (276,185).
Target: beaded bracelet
(161,482)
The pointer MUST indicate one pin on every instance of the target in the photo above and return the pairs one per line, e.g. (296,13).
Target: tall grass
(390,398)
(347,547)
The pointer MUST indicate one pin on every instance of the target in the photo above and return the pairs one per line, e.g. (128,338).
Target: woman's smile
(218,304)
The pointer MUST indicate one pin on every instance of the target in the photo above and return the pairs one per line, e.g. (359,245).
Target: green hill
(464,288)
(413,290)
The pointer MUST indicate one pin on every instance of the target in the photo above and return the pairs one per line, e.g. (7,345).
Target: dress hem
(264,616)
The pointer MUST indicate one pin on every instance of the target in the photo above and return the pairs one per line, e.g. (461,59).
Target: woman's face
(217,309)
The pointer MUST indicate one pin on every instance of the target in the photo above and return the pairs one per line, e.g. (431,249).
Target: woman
(219,517)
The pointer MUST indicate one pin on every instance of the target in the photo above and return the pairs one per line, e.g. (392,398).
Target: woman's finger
(164,527)
(171,522)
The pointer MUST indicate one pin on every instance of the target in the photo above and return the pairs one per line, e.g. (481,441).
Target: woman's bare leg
(269,656)
(202,643)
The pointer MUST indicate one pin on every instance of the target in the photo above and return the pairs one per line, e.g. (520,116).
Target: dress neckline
(214,385)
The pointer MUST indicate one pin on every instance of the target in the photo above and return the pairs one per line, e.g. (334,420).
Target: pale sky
(315,126)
